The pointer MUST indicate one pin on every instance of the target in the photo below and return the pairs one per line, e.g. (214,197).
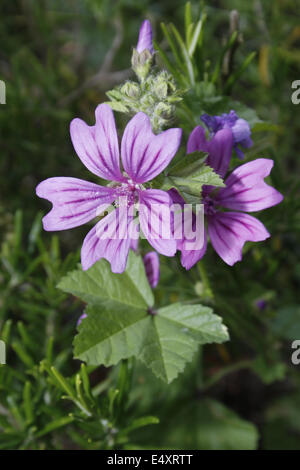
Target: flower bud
(142,56)
(131,89)
(164,110)
(151,263)
(141,63)
(161,89)
(145,38)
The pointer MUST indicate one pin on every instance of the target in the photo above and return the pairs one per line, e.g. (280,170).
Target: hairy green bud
(131,89)
(164,110)
(141,63)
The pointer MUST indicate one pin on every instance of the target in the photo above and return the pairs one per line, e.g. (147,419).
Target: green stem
(204,277)
(226,370)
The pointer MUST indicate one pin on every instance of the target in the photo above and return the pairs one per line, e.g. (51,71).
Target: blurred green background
(57,60)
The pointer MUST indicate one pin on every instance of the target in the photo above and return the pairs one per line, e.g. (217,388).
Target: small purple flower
(82,317)
(245,191)
(240,129)
(151,262)
(261,304)
(145,38)
(144,155)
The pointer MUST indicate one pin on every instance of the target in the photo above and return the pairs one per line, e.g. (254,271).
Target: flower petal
(151,263)
(134,243)
(197,140)
(228,232)
(219,148)
(155,220)
(105,241)
(246,190)
(220,151)
(144,154)
(241,132)
(97,146)
(190,257)
(75,201)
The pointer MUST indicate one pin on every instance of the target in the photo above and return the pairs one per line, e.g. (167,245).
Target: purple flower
(261,304)
(245,191)
(145,38)
(151,262)
(240,129)
(144,155)
(82,317)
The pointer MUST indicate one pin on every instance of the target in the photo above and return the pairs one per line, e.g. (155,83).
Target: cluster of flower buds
(155,93)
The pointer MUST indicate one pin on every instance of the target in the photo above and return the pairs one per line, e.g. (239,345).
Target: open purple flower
(245,191)
(151,262)
(145,38)
(240,129)
(144,155)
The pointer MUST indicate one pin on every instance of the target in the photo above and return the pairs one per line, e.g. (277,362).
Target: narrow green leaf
(185,54)
(28,404)
(57,423)
(35,232)
(23,354)
(24,334)
(187,20)
(18,231)
(49,350)
(236,75)
(173,47)
(86,382)
(6,330)
(140,423)
(195,38)
(63,383)
(227,46)
(175,72)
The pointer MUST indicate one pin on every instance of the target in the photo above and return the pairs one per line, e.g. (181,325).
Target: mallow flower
(228,224)
(240,129)
(75,202)
(151,263)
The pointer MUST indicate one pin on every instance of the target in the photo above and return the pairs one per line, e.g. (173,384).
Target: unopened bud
(161,89)
(145,38)
(141,63)
(164,110)
(131,89)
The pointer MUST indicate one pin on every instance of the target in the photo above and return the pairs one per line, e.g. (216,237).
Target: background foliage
(58,60)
